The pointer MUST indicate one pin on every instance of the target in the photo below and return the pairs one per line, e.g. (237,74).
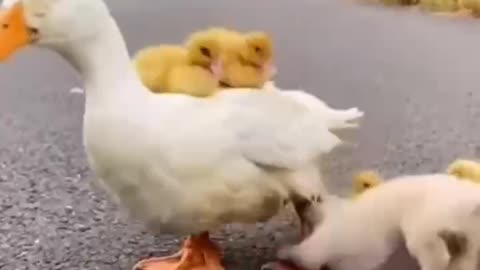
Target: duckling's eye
(257,49)
(366,185)
(205,51)
(5,26)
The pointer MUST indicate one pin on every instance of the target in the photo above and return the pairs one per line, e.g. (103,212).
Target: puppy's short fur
(437,216)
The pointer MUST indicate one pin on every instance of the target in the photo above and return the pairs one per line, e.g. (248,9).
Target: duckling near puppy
(440,7)
(193,70)
(472,5)
(461,168)
(467,8)
(452,8)
(434,216)
(465,170)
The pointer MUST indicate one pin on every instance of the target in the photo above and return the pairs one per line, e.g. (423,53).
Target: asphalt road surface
(414,75)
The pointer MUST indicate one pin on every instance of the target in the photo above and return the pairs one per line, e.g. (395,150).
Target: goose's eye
(205,51)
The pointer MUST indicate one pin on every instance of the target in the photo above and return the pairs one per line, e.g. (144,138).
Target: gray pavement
(414,75)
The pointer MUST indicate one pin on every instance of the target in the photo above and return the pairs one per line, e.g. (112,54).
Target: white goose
(181,164)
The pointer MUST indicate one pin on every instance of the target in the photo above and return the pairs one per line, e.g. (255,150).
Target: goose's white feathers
(269,127)
(187,164)
(336,119)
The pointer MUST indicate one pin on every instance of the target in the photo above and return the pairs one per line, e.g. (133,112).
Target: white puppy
(437,216)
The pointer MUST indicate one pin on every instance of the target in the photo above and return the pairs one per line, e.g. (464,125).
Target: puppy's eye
(206,52)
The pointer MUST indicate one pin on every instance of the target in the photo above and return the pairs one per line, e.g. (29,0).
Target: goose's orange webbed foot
(197,253)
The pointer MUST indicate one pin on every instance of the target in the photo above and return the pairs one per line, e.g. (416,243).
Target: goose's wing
(276,131)
(337,119)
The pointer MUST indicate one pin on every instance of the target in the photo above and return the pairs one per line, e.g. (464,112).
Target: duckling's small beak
(14,32)
(217,69)
(269,69)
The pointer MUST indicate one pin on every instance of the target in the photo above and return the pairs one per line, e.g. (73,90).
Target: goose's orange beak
(14,32)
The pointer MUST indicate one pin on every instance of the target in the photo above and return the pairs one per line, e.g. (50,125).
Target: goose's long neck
(104,63)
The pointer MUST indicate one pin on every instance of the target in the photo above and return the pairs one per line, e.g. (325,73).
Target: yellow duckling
(465,170)
(473,6)
(441,7)
(365,180)
(253,65)
(452,8)
(460,168)
(469,8)
(193,70)
(247,58)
